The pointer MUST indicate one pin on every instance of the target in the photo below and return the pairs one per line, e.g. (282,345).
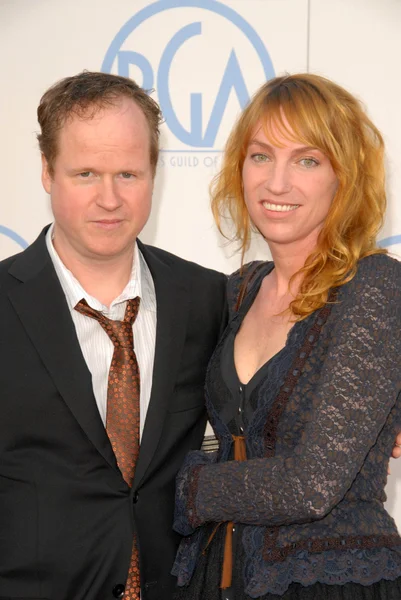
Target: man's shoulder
(26,264)
(7,280)
(6,264)
(179,264)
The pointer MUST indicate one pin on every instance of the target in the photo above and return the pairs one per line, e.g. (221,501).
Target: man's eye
(127,175)
(85,174)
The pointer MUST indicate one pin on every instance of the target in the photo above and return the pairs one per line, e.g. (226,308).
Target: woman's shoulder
(375,290)
(380,271)
(241,280)
(379,263)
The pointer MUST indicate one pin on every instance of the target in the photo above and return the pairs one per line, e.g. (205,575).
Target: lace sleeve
(359,383)
(185,485)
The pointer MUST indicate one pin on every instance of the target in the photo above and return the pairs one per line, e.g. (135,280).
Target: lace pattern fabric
(329,576)
(331,441)
(333,567)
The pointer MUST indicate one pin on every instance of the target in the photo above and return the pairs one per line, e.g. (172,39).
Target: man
(75,396)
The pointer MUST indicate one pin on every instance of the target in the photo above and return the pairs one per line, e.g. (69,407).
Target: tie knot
(131,311)
(120,332)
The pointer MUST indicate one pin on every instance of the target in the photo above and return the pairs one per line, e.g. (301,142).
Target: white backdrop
(204,58)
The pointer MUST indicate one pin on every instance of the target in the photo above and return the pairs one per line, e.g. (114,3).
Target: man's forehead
(123,124)
(95,112)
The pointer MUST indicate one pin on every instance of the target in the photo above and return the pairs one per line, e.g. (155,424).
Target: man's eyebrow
(77,170)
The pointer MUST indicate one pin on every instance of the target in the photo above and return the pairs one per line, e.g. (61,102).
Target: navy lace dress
(305,562)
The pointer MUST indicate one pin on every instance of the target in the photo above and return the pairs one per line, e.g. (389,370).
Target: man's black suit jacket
(66,515)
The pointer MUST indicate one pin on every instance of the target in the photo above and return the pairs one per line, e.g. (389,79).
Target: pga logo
(13,239)
(204,61)
(393,240)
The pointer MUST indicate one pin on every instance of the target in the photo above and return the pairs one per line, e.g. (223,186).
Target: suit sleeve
(359,384)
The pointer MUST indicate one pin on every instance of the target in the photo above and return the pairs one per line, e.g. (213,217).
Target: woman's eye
(309,162)
(258,157)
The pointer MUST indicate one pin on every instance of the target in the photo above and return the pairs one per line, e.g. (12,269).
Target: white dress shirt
(96,346)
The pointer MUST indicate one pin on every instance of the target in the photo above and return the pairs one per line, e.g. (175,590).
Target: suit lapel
(172,299)
(42,308)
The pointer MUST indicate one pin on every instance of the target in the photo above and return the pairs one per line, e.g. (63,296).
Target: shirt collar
(140,282)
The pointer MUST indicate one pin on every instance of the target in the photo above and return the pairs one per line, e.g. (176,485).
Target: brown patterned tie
(122,421)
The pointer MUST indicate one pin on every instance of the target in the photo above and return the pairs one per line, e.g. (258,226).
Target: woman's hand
(396,453)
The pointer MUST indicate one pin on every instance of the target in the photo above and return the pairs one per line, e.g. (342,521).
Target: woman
(302,389)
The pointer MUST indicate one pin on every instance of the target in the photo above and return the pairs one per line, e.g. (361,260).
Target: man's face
(102,183)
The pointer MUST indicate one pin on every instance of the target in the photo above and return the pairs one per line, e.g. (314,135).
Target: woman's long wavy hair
(316,112)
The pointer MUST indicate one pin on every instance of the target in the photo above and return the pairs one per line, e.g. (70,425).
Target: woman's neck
(288,260)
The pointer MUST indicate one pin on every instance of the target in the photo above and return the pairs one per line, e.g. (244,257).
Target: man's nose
(108,196)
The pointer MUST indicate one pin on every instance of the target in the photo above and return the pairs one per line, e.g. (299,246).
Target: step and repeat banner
(204,59)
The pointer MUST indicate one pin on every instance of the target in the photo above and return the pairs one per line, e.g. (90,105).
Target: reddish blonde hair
(323,115)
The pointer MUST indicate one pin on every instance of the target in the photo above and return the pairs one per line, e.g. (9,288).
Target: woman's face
(288,190)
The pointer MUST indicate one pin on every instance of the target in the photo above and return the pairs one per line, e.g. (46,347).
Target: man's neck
(106,283)
(103,279)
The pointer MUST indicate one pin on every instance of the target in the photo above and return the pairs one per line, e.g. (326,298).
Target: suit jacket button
(135,498)
(118,590)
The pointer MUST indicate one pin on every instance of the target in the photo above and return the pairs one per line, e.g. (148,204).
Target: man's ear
(46,177)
